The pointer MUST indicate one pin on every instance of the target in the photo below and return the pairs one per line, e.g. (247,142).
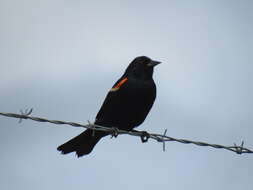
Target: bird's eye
(146,61)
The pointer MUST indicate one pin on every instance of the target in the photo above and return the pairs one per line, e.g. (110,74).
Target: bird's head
(141,67)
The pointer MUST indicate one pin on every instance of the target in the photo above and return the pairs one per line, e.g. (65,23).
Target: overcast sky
(62,57)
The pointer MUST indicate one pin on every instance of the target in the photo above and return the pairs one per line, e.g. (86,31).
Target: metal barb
(92,127)
(164,134)
(242,144)
(25,113)
(239,149)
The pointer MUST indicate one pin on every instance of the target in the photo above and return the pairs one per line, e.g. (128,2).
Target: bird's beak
(153,63)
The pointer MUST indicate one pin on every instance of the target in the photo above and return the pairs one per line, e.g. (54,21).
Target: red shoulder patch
(119,84)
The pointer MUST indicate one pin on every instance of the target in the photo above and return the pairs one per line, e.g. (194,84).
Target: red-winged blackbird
(125,107)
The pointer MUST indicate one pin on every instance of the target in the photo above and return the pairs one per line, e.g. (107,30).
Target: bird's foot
(114,132)
(144,136)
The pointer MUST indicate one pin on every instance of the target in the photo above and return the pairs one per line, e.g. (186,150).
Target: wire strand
(115,132)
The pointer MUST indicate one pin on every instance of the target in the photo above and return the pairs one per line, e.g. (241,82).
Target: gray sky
(61,57)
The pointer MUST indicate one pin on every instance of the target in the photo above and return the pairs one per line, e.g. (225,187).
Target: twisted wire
(115,132)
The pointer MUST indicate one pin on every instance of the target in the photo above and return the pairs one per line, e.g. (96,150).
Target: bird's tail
(82,144)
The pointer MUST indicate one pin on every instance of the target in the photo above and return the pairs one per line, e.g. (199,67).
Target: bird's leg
(144,135)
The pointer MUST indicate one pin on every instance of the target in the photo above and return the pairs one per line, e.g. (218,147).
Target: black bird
(125,107)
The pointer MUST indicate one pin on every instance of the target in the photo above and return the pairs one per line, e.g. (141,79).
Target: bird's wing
(112,100)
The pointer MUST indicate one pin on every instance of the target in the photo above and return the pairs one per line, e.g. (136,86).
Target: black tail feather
(82,144)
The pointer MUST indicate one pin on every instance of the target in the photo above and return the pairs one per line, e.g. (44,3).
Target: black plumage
(125,107)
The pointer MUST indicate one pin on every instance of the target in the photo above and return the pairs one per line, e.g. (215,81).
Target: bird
(125,107)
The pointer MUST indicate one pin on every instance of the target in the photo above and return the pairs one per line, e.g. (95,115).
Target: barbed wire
(143,134)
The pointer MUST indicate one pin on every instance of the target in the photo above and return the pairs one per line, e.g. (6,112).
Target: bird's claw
(114,132)
(144,136)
